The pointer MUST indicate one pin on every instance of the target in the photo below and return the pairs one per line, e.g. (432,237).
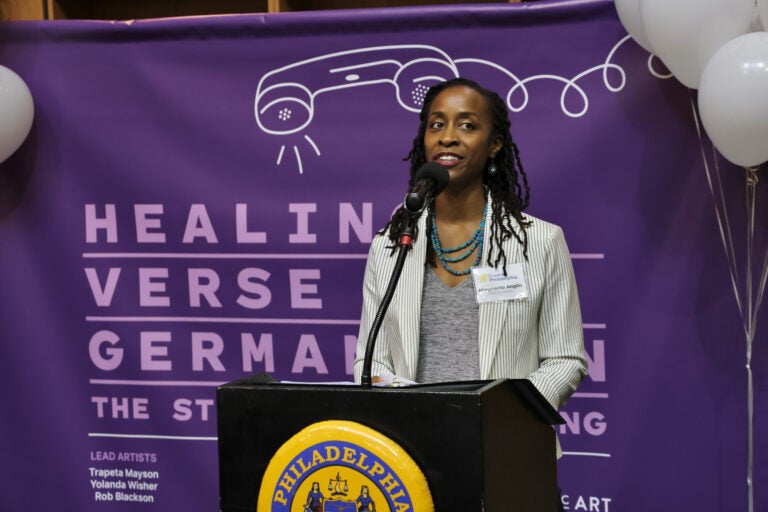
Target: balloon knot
(752,177)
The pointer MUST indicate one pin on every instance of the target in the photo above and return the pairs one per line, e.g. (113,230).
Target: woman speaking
(487,292)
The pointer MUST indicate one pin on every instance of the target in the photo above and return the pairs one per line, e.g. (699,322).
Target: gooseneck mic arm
(429,181)
(406,240)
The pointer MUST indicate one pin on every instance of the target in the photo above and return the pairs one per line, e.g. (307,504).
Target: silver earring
(492,169)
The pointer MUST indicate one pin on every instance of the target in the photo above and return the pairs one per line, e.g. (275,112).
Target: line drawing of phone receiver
(285,100)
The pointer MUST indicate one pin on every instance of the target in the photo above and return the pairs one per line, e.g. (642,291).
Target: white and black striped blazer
(539,338)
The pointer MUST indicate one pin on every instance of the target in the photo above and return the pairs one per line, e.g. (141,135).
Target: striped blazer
(539,338)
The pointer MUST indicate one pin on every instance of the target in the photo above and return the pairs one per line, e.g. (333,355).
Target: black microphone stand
(406,241)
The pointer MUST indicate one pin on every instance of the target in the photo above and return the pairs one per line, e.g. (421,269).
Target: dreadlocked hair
(508,187)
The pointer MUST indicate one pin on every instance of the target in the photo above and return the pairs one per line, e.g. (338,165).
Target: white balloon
(629,14)
(16,112)
(685,33)
(733,99)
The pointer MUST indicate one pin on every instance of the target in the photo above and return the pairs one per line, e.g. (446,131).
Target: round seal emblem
(342,466)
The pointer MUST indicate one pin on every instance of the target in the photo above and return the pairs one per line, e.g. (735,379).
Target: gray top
(448,340)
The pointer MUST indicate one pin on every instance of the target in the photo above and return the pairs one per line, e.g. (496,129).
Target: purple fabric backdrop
(195,203)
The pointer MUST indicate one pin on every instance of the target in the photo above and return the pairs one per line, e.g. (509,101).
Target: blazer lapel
(493,315)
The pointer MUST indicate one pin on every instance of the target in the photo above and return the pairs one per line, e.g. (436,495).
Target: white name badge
(491,285)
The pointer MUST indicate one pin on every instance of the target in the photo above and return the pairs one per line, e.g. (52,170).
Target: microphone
(429,181)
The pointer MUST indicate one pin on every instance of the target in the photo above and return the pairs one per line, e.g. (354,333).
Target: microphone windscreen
(434,171)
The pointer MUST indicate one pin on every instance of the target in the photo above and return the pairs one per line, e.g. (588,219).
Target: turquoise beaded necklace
(447,255)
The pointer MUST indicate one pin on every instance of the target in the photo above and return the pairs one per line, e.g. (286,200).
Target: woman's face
(459,135)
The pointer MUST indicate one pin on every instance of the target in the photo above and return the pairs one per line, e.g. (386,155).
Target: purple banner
(197,196)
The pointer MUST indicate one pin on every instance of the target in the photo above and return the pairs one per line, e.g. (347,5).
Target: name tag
(491,285)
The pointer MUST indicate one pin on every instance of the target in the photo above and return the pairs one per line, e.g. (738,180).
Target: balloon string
(732,260)
(750,189)
(750,184)
(723,227)
(752,181)
(761,288)
(749,323)
(750,384)
(750,437)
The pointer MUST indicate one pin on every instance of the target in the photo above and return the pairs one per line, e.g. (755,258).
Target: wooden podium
(482,446)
